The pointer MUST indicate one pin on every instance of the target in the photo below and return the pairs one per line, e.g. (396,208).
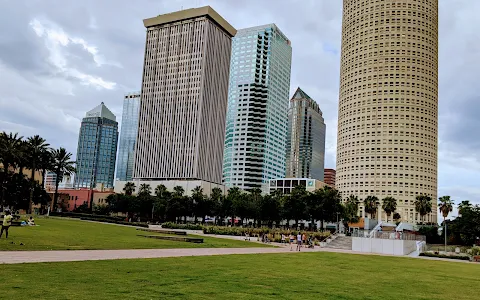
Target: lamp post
(338,225)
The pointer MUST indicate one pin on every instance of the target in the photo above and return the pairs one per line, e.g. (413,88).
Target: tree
(45,163)
(371,206)
(464,206)
(62,165)
(423,205)
(144,189)
(397,217)
(295,204)
(36,146)
(129,188)
(270,208)
(389,205)
(350,211)
(445,207)
(219,205)
(161,201)
(200,203)
(232,197)
(10,155)
(329,206)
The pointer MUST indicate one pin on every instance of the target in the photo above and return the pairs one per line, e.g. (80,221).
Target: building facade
(305,138)
(128,136)
(286,185)
(387,119)
(184,96)
(257,107)
(329,177)
(67,181)
(97,149)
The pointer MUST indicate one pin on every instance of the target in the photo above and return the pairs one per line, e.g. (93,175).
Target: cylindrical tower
(388,110)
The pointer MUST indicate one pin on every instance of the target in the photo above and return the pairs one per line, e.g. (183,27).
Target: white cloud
(56,40)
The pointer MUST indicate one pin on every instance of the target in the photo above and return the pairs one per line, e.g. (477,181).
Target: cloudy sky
(59,59)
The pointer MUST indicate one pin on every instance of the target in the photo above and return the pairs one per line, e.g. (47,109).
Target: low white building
(286,185)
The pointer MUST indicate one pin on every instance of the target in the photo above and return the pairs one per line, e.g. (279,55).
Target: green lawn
(265,276)
(69,234)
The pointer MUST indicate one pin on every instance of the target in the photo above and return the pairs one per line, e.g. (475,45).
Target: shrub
(274,234)
(138,224)
(171,225)
(84,215)
(427,254)
(475,251)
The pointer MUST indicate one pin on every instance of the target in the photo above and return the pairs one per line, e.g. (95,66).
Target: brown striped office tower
(184,97)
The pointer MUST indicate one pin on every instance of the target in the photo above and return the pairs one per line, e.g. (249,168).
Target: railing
(390,235)
(332,237)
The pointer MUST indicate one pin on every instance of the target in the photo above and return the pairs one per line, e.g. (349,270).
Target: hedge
(83,215)
(171,225)
(274,233)
(138,224)
(427,254)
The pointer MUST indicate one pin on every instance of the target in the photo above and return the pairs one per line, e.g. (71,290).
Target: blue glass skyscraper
(97,148)
(258,98)
(128,136)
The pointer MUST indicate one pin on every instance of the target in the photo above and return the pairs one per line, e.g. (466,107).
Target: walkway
(16,257)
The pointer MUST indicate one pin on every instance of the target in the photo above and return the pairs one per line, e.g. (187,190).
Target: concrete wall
(383,246)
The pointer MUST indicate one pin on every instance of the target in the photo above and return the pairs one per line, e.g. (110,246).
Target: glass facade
(97,148)
(305,138)
(256,123)
(128,137)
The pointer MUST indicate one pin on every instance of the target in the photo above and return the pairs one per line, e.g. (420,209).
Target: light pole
(338,225)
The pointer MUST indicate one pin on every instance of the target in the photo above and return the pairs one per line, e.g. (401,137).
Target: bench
(476,258)
(174,238)
(164,231)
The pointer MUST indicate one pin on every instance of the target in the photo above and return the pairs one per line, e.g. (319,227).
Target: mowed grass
(293,275)
(70,234)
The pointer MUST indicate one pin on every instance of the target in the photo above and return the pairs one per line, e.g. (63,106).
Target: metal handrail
(328,237)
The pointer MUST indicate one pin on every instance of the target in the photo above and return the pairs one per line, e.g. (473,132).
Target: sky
(59,59)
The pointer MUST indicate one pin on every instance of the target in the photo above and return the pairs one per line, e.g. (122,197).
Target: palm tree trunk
(55,196)
(32,185)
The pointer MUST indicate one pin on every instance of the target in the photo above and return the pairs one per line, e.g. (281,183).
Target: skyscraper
(97,148)
(184,96)
(257,107)
(128,136)
(387,119)
(305,138)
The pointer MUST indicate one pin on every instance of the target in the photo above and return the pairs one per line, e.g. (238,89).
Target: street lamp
(338,225)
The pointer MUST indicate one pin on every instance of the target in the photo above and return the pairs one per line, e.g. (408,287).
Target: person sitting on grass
(31,221)
(7,222)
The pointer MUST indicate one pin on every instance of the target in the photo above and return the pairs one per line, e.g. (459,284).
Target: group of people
(300,239)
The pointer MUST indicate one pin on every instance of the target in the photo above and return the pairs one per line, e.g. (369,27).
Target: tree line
(18,154)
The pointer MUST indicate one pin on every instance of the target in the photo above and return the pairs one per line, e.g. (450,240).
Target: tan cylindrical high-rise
(388,110)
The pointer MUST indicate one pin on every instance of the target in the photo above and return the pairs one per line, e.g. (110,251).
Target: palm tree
(35,147)
(129,188)
(62,165)
(160,190)
(396,216)
(198,199)
(10,150)
(45,163)
(423,205)
(389,205)
(144,189)
(464,206)
(445,207)
(371,206)
(350,211)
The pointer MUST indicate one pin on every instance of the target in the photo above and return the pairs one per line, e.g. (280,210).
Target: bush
(83,215)
(475,251)
(171,225)
(273,234)
(427,254)
(138,224)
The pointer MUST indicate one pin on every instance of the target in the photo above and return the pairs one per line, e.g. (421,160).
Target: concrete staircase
(341,242)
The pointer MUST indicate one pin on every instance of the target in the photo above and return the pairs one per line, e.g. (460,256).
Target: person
(299,241)
(31,221)
(283,238)
(292,239)
(7,222)
(304,240)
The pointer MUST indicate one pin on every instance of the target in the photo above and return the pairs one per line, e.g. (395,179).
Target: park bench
(476,258)
(174,238)
(176,232)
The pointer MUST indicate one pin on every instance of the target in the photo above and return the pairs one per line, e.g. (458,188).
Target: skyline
(52,49)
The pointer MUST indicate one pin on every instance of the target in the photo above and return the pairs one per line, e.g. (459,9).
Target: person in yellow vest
(7,222)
